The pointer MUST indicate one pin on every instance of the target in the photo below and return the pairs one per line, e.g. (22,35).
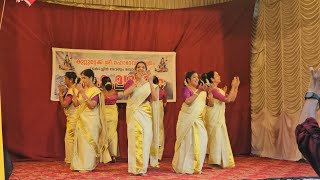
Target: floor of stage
(247,167)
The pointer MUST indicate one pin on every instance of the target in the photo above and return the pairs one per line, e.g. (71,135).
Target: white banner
(118,65)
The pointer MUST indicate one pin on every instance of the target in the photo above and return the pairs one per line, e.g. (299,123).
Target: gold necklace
(138,84)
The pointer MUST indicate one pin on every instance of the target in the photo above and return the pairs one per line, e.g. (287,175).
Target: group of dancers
(92,118)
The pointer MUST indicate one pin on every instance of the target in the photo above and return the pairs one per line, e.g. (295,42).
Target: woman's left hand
(238,82)
(62,89)
(80,88)
(150,76)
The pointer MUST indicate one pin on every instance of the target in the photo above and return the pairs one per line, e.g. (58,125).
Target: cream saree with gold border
(105,132)
(161,129)
(139,129)
(219,148)
(110,113)
(192,139)
(71,117)
(155,145)
(86,139)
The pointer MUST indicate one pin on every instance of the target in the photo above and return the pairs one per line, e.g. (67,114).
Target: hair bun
(185,82)
(77,80)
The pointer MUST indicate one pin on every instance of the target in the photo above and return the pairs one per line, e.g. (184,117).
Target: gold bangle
(195,92)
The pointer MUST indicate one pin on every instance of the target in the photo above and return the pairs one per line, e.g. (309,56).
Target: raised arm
(75,101)
(189,98)
(64,101)
(232,93)
(128,88)
(310,104)
(90,102)
(234,89)
(153,91)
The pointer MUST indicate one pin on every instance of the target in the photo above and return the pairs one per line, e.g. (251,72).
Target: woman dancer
(65,98)
(219,148)
(110,111)
(191,142)
(162,105)
(139,119)
(87,131)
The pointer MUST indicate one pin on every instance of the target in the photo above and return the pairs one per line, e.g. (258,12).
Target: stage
(247,167)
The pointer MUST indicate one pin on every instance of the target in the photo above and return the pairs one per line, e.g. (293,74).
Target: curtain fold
(285,44)
(136,4)
(216,37)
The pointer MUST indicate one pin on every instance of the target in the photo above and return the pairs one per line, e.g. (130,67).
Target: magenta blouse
(95,98)
(130,83)
(163,95)
(68,99)
(111,100)
(186,92)
(216,94)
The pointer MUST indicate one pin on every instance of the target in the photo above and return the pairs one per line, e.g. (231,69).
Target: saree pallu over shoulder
(191,143)
(192,112)
(70,91)
(154,151)
(138,97)
(86,149)
(139,124)
(219,148)
(70,110)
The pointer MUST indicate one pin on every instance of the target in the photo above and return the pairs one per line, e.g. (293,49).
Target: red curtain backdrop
(206,38)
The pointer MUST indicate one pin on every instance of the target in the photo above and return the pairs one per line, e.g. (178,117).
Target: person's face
(140,70)
(194,80)
(86,80)
(67,81)
(216,78)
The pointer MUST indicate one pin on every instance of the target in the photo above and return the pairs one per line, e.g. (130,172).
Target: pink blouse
(111,100)
(130,83)
(68,99)
(186,92)
(163,95)
(95,98)
(216,94)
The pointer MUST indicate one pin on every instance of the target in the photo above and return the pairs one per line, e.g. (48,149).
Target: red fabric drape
(205,38)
